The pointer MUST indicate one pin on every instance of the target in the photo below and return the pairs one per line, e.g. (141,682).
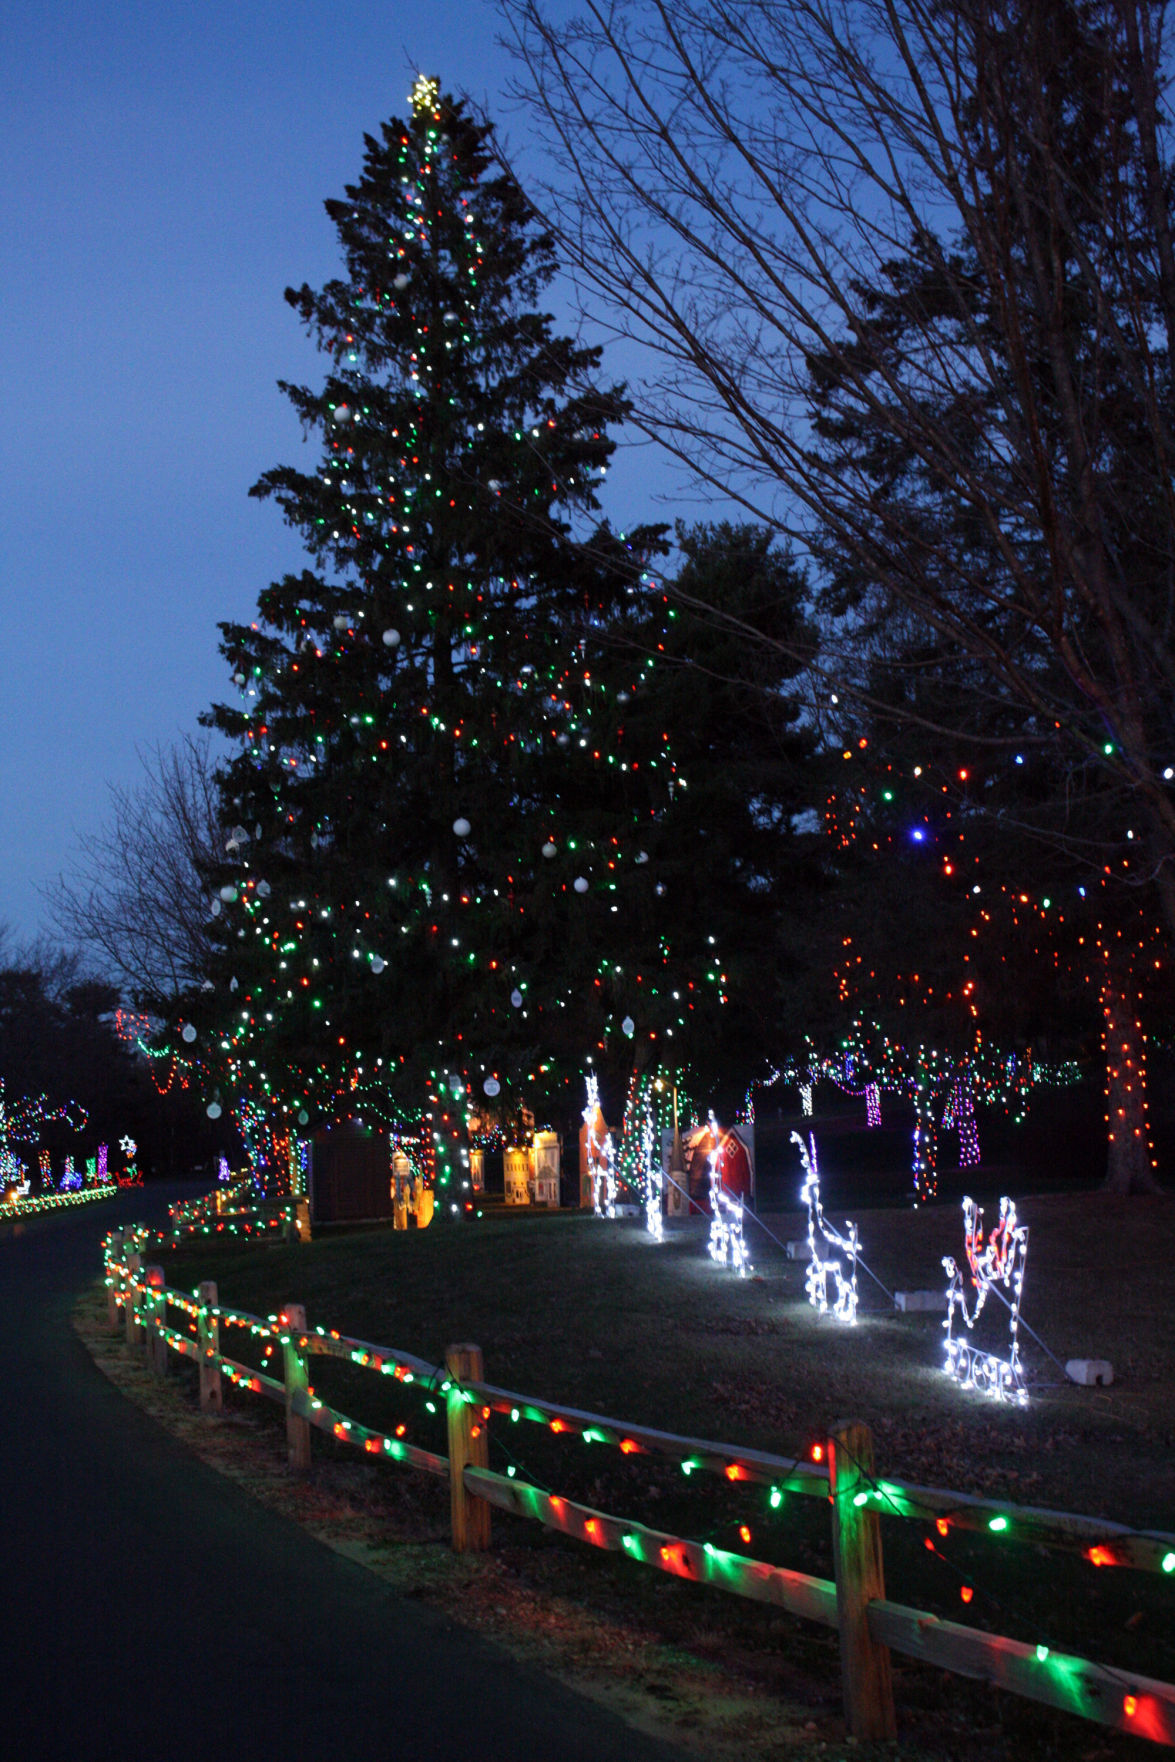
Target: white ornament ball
(549,849)
(563,739)
(462,828)
(581,885)
(621,697)
(391,639)
(214,908)
(341,413)
(228,893)
(642,856)
(492,1086)
(303,1118)
(263,890)
(516,999)
(659,890)
(401,280)
(213,1110)
(342,620)
(628,1027)
(378,963)
(188,1032)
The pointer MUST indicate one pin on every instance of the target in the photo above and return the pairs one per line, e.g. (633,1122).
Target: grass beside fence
(594,1315)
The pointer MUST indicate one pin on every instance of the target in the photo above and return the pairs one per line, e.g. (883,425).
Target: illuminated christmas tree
(429,806)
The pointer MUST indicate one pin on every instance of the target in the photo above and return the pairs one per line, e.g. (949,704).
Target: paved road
(149,1608)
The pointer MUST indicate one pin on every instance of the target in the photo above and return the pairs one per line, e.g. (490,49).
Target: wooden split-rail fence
(870,1624)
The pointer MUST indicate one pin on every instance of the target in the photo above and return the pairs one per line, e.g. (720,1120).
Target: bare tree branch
(133,897)
(736,181)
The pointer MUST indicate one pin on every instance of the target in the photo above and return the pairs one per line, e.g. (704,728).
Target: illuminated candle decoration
(998,1261)
(820,1235)
(806,1100)
(727,1244)
(873,1104)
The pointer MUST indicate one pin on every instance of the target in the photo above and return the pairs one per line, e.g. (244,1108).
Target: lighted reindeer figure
(820,1233)
(999,1261)
(727,1243)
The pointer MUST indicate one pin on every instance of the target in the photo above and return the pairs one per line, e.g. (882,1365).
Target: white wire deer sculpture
(820,1233)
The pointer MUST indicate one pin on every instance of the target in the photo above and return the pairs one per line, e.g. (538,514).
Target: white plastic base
(909,1301)
(1090,1371)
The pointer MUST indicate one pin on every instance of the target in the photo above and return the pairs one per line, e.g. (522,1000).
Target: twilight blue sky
(164,173)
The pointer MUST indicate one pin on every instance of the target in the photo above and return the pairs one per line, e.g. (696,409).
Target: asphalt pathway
(150,1608)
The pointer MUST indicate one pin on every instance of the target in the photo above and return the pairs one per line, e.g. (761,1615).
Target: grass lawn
(593,1314)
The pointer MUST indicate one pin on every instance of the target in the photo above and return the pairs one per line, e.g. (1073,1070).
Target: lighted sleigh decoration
(998,1261)
(822,1235)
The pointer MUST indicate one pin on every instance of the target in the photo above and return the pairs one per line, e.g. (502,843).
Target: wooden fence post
(117,1245)
(296,1227)
(134,1266)
(860,1577)
(293,1317)
(154,1312)
(208,1340)
(469,1445)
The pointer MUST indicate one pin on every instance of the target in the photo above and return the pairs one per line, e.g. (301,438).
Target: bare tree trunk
(1130,1166)
(927,1108)
(960,1111)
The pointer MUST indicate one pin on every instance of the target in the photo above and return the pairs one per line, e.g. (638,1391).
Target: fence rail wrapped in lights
(55,1201)
(841,1471)
(233,1210)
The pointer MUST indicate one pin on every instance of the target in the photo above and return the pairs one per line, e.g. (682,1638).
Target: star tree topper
(425,93)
